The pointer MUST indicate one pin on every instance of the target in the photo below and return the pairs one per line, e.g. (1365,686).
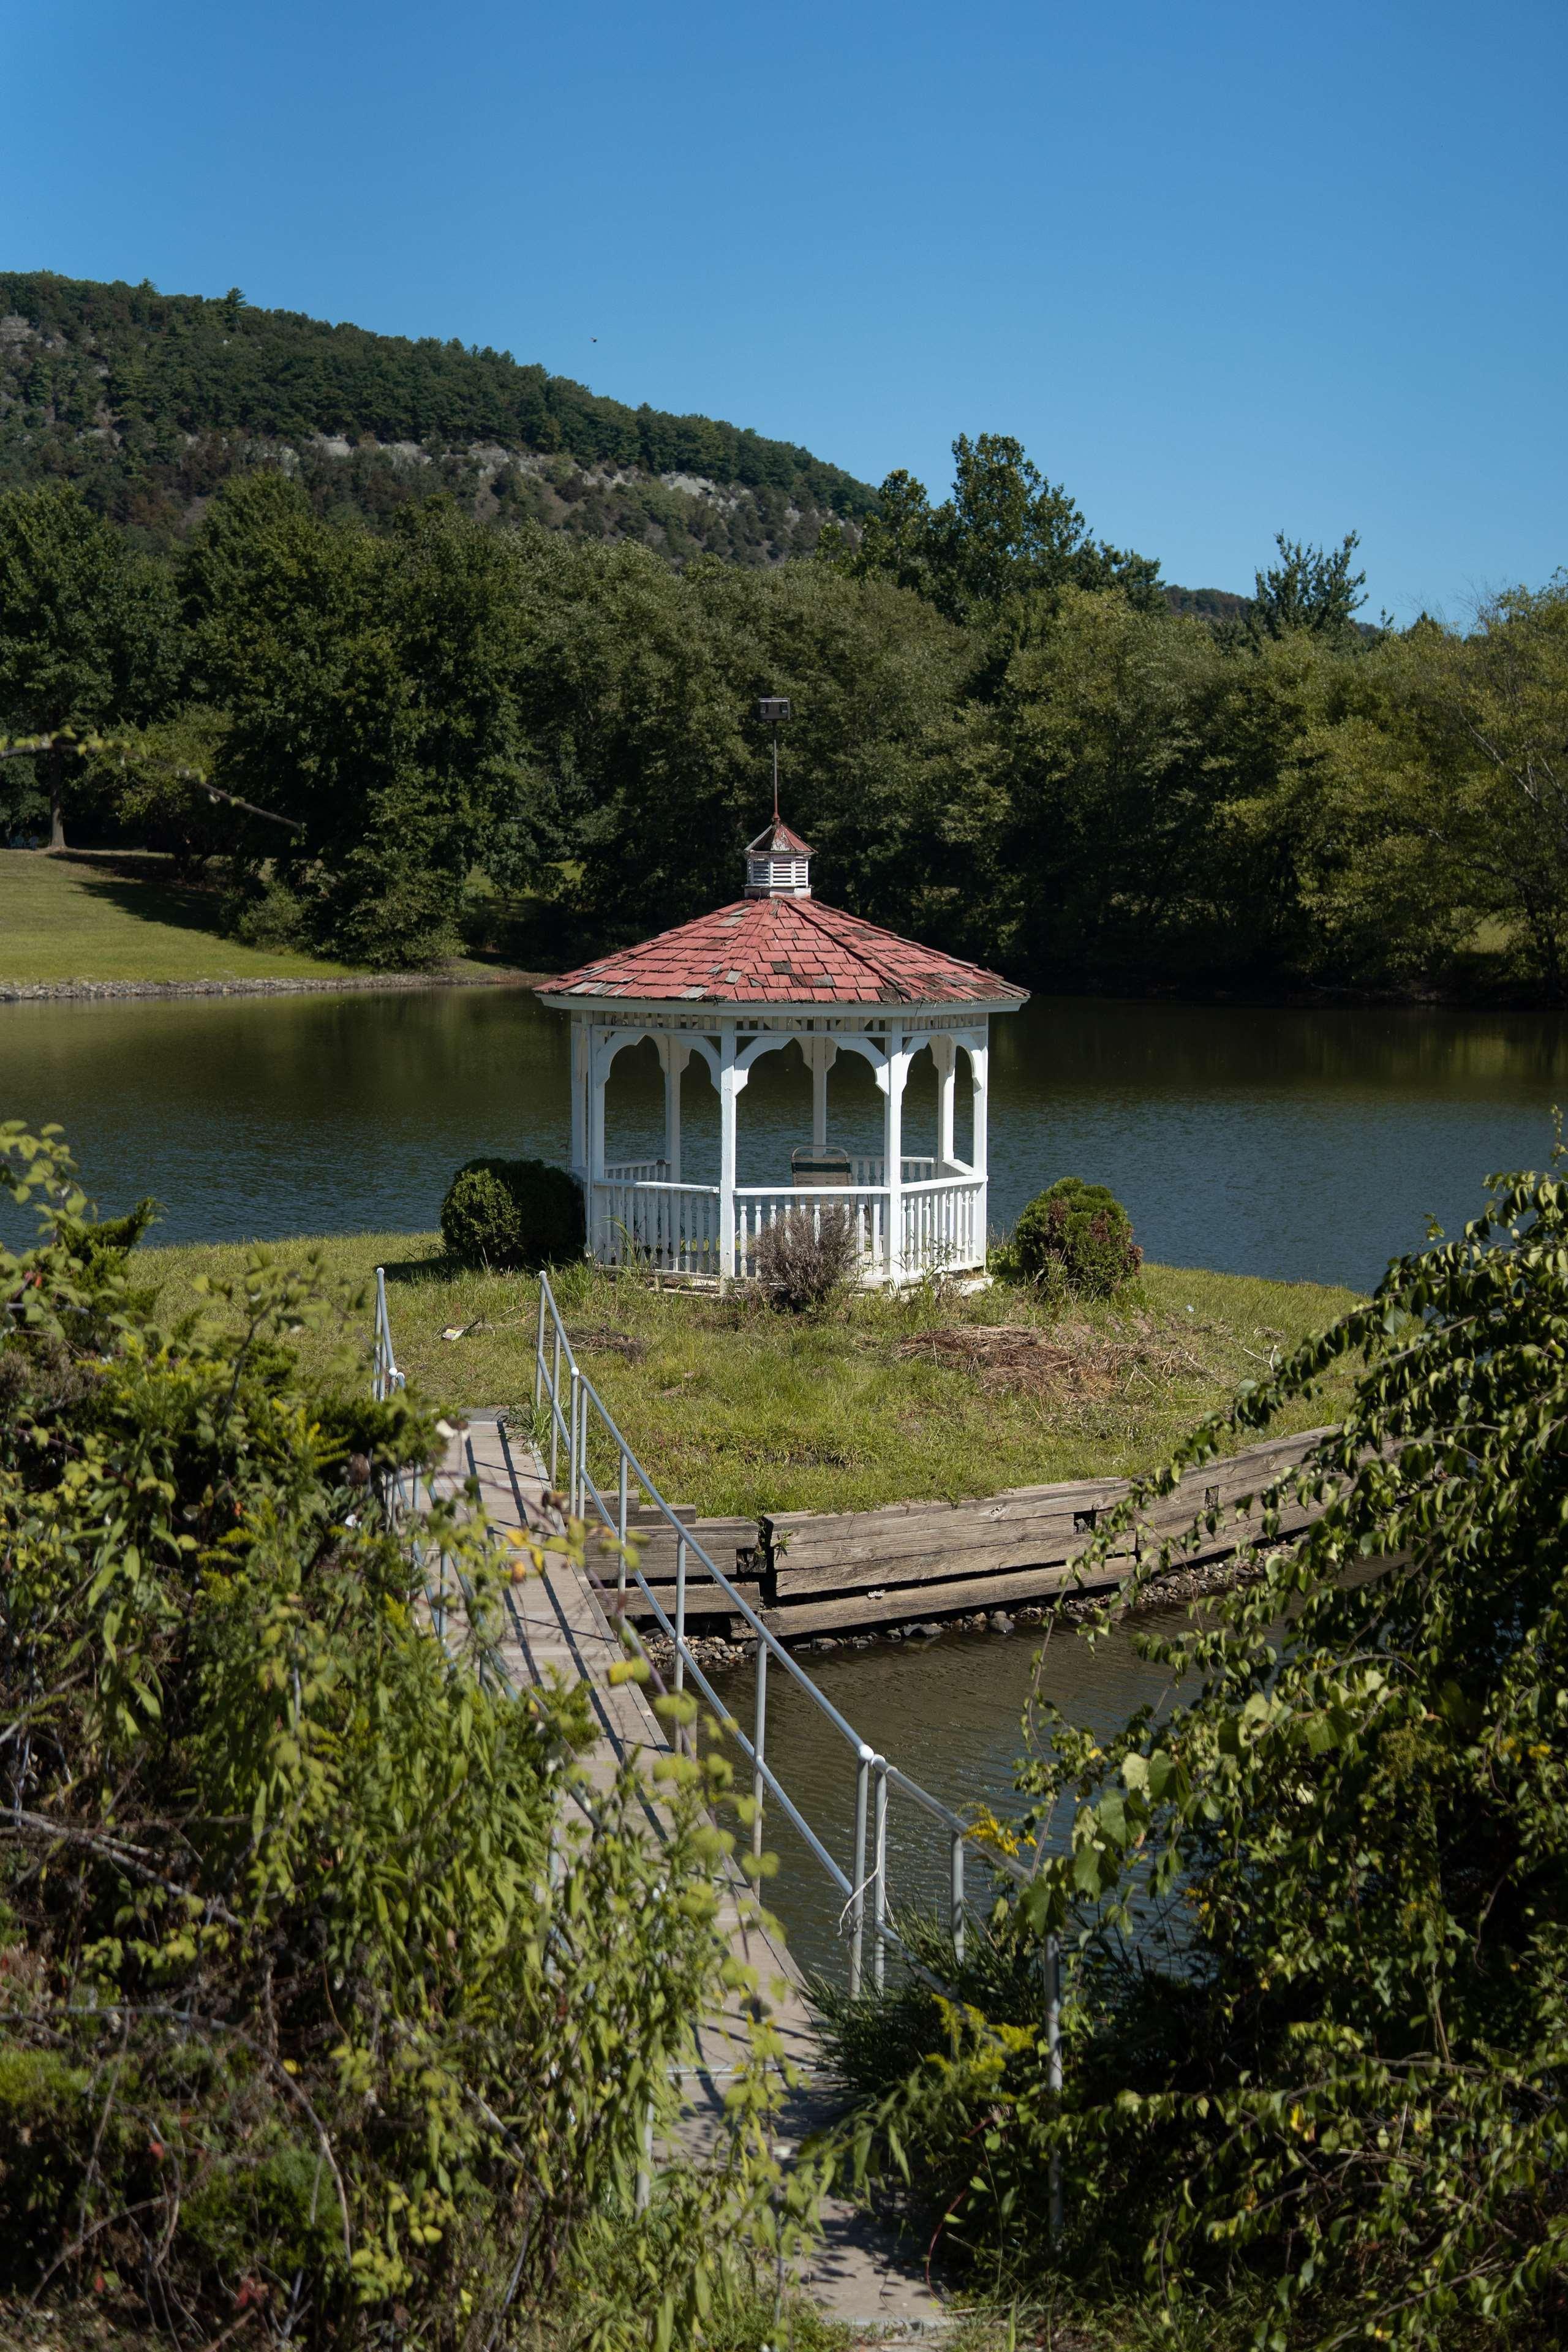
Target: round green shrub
(1079,1233)
(507,1213)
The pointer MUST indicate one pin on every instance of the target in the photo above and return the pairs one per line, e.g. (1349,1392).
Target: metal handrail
(560,1383)
(387,1379)
(561,1386)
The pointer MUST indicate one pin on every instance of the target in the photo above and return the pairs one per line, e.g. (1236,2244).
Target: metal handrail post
(858,1870)
(679,1629)
(645,2169)
(759,1735)
(555,1405)
(880,1877)
(956,1865)
(572,1454)
(1054,2066)
(621,1529)
(539,1352)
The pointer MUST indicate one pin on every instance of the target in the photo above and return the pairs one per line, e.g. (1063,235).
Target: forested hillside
(150,401)
(1010,736)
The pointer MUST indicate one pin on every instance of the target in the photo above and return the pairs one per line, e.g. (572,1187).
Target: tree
(89,632)
(642,700)
(373,691)
(335,1989)
(1005,534)
(1102,851)
(1308,589)
(1490,712)
(1317,2024)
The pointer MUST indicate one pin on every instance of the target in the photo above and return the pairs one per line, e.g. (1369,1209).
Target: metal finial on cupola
(778,862)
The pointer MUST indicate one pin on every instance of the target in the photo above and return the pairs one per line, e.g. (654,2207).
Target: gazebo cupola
(775,966)
(778,864)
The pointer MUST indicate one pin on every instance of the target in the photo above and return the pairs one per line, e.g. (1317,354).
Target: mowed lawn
(736,1408)
(117,915)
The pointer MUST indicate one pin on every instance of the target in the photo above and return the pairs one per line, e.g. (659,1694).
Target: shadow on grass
(438,1268)
(527,932)
(133,885)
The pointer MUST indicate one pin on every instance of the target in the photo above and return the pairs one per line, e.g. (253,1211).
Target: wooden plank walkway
(860,2274)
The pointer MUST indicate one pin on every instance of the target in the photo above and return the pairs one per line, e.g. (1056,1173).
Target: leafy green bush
(270,914)
(1316,2019)
(330,1984)
(1078,1233)
(506,1214)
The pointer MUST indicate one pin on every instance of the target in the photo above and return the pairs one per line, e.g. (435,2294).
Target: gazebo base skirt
(933,1224)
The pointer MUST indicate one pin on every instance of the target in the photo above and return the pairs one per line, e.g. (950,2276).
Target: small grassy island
(927,1394)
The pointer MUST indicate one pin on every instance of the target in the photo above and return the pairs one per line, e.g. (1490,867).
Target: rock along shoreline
(41,992)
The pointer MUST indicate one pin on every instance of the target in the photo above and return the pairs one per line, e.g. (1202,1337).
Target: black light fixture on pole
(774,709)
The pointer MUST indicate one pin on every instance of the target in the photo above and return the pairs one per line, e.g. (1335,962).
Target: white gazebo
(776,965)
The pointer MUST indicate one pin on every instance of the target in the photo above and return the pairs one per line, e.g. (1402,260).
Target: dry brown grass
(1070,1359)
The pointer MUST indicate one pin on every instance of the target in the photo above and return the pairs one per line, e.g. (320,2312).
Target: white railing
(944,1225)
(679,1228)
(638,1171)
(387,1379)
(758,1206)
(601,1475)
(674,1227)
(869,1169)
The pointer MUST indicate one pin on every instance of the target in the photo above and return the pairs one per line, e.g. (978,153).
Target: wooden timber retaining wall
(810,1572)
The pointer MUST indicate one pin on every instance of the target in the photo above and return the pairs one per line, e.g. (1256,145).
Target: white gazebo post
(675,1053)
(893,1072)
(601,1054)
(980,1063)
(580,1100)
(731,1081)
(821,1053)
(944,1053)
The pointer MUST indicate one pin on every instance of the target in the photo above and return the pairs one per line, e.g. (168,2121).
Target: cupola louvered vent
(778,864)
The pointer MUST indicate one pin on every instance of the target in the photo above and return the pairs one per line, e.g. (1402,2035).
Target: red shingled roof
(785,952)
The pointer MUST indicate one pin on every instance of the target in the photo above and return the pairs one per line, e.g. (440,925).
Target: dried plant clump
(807,1256)
(1071,1359)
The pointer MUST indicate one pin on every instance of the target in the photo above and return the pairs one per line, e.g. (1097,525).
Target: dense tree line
(150,401)
(1007,740)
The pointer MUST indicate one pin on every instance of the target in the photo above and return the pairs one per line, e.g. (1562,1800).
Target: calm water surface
(1306,1144)
(950,1713)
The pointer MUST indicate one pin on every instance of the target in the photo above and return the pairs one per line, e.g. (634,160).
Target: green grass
(107,914)
(118,915)
(737,1409)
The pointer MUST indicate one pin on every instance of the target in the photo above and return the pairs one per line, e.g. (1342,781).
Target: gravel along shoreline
(1177,1584)
(35,992)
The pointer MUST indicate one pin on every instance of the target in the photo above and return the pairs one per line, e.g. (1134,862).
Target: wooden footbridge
(561,1624)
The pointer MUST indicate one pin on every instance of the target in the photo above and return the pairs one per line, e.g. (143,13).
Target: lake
(1306,1144)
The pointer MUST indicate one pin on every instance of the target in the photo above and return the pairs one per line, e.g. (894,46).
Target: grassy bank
(737,1409)
(120,916)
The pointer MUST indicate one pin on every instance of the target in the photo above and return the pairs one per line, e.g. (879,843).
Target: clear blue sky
(1224,269)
